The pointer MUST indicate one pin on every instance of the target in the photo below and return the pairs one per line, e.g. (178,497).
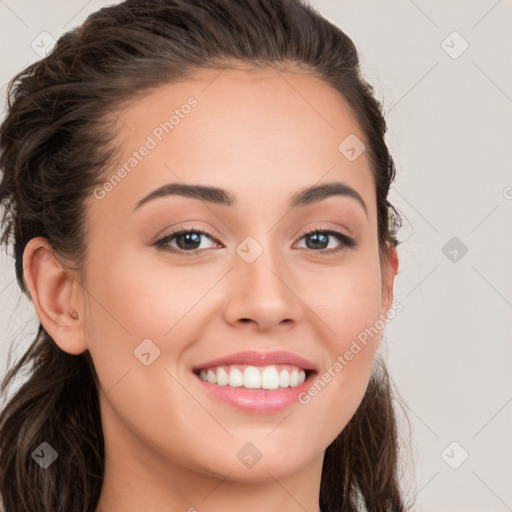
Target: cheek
(135,301)
(350,309)
(347,300)
(136,297)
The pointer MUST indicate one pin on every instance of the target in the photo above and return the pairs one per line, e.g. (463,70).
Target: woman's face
(254,282)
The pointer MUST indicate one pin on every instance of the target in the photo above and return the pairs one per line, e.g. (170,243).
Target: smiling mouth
(269,377)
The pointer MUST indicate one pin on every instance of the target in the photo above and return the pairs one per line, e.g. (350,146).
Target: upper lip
(259,358)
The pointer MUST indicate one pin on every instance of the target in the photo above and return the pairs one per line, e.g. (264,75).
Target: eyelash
(346,241)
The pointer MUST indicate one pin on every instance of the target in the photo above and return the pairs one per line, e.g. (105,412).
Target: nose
(262,293)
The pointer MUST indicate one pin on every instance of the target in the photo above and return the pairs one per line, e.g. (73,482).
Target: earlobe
(56,294)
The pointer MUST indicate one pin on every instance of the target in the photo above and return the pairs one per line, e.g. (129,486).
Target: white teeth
(284,379)
(222,377)
(252,377)
(236,379)
(270,378)
(212,378)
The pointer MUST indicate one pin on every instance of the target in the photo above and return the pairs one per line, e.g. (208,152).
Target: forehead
(268,97)
(249,130)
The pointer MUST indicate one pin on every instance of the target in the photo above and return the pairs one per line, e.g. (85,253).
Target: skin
(262,136)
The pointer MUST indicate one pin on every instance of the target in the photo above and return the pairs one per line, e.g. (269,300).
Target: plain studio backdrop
(442,70)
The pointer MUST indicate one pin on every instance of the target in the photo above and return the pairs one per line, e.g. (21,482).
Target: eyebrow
(219,196)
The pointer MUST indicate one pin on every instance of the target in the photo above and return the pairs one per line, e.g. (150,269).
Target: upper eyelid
(214,233)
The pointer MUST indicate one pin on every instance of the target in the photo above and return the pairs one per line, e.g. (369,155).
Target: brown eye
(318,241)
(187,240)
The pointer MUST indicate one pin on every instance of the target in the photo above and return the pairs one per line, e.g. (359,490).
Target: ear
(388,278)
(56,295)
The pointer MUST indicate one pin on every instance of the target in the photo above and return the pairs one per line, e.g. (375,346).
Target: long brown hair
(56,145)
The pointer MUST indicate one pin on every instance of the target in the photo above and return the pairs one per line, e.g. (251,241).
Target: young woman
(197,192)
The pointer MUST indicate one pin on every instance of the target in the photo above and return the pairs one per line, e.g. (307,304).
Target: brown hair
(56,146)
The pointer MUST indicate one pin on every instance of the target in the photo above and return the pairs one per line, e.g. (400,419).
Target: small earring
(74,315)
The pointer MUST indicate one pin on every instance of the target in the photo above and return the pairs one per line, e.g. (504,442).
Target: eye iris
(190,238)
(315,237)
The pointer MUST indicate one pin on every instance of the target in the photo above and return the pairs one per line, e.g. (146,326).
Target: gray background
(449,118)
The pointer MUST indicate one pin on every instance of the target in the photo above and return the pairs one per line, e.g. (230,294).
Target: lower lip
(257,400)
